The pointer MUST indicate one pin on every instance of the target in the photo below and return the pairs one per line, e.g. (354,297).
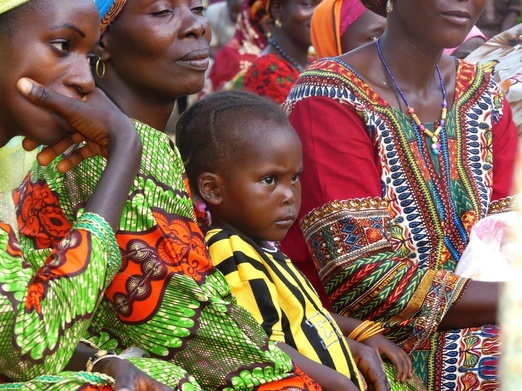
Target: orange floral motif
(373,235)
(174,246)
(40,216)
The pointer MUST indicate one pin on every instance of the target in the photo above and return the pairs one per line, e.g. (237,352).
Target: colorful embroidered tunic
(386,219)
(167,298)
(281,299)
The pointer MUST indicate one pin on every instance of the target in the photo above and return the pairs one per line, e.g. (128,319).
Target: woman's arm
(48,294)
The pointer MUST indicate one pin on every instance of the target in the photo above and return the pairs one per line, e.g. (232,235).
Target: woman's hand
(128,377)
(382,345)
(94,119)
(369,364)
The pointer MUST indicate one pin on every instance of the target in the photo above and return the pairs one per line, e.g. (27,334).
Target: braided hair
(212,133)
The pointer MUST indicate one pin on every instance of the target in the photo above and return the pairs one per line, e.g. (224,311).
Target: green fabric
(167,298)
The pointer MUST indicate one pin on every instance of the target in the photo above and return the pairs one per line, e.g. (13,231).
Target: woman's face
(445,21)
(159,48)
(52,45)
(295,18)
(366,29)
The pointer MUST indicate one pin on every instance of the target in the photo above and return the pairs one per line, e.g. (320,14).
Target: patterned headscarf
(330,20)
(377,6)
(8,5)
(108,10)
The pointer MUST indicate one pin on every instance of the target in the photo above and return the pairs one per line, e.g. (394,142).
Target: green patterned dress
(167,298)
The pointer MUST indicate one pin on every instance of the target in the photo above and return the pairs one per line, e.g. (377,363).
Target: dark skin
(294,34)
(177,48)
(413,59)
(175,45)
(366,29)
(229,200)
(49,96)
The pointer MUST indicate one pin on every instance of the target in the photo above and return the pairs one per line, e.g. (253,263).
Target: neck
(144,108)
(296,53)
(413,67)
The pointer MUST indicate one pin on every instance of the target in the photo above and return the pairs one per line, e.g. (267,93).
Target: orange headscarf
(330,20)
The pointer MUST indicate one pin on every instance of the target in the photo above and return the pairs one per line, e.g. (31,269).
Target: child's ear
(208,188)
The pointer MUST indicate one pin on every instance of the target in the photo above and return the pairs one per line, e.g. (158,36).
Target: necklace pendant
(435,147)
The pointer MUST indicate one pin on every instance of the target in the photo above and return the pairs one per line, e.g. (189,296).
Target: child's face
(50,46)
(261,197)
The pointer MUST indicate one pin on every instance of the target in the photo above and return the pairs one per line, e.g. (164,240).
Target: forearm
(477,306)
(112,190)
(346,324)
(79,359)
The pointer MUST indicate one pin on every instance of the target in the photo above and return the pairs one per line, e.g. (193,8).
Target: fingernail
(24,86)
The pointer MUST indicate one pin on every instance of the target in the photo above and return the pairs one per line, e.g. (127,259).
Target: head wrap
(108,10)
(330,20)
(377,6)
(8,5)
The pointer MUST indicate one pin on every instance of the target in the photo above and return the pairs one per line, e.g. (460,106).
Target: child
(249,181)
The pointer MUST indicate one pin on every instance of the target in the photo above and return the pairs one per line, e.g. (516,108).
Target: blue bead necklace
(416,122)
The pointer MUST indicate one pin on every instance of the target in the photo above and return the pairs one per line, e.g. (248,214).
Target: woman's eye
(162,12)
(61,46)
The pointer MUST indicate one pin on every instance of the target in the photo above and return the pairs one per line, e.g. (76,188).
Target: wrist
(94,362)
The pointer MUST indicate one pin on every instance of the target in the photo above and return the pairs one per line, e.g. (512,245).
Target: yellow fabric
(8,5)
(325,27)
(281,299)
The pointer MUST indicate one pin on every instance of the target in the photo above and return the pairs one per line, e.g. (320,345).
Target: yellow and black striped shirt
(281,299)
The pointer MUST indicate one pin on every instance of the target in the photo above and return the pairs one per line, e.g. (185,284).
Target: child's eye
(61,46)
(296,178)
(269,180)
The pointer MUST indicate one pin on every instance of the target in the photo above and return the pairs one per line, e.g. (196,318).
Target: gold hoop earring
(99,68)
(278,23)
(389,6)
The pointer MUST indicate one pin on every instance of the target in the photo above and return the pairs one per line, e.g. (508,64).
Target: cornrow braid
(209,135)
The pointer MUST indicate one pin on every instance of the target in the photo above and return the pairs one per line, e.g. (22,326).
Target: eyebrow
(71,27)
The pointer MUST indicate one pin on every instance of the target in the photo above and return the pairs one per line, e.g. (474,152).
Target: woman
(237,54)
(339,26)
(47,302)
(167,298)
(412,147)
(274,72)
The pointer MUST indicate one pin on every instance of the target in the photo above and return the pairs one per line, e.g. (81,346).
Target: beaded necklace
(444,202)
(285,55)
(416,122)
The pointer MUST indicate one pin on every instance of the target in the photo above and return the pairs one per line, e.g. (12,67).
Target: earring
(389,6)
(207,196)
(278,23)
(99,68)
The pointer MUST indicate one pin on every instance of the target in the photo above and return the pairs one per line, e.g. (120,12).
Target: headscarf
(330,20)
(8,5)
(108,10)
(377,6)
